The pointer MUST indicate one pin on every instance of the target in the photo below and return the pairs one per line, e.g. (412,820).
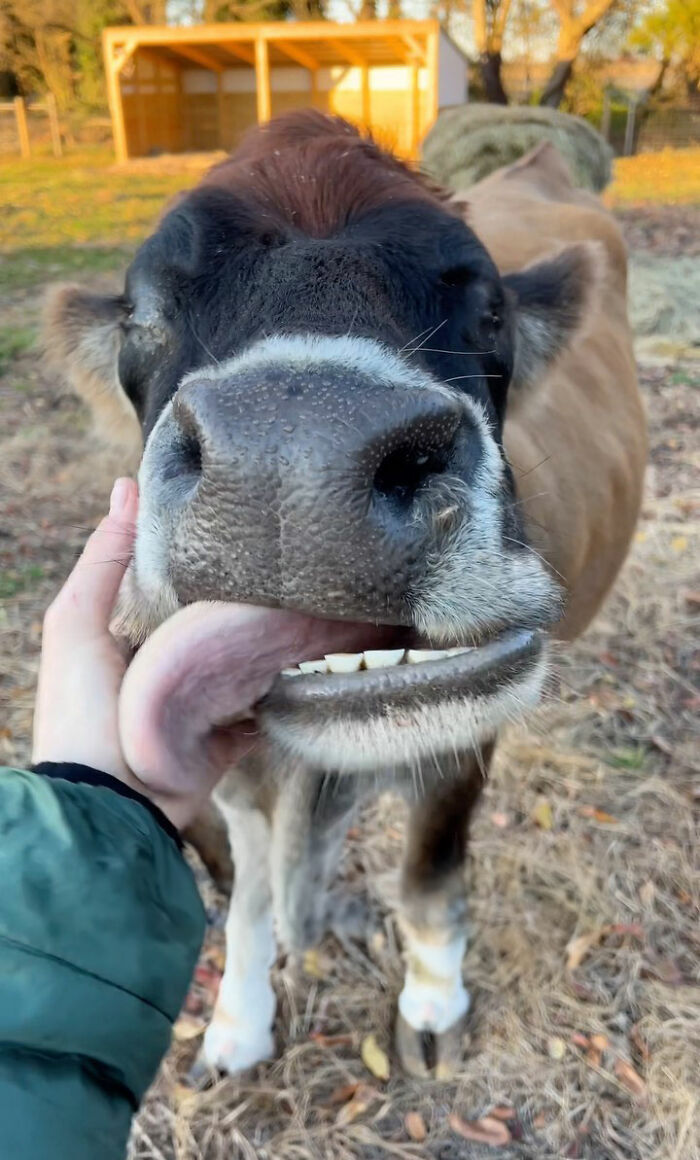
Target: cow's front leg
(434,1002)
(240,1033)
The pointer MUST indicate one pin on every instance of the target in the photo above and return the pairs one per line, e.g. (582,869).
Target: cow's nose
(391,448)
(311,485)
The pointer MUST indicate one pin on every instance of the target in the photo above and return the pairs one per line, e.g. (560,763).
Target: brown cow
(405,426)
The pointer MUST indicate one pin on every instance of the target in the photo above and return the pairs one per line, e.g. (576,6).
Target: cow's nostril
(186,460)
(192,455)
(404,471)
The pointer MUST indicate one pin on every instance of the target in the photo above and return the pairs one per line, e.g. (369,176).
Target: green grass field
(84,215)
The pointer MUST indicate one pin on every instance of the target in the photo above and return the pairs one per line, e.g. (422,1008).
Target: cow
(406,424)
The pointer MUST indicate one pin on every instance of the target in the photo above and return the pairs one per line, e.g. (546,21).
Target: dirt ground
(584,1038)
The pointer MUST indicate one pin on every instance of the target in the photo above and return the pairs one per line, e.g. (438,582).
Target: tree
(574,23)
(672,34)
(490,18)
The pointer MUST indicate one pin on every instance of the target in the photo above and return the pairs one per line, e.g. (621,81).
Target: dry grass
(671,177)
(613,754)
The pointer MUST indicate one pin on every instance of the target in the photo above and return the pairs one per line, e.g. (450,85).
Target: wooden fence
(19,109)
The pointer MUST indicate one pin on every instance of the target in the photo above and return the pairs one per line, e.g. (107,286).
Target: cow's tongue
(208,666)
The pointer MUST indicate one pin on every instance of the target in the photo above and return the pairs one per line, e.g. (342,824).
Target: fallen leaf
(357,1106)
(635,929)
(679,543)
(597,815)
(594,1055)
(539,1120)
(488,1130)
(341,1095)
(556,1047)
(580,1040)
(578,948)
(631,1079)
(665,970)
(647,893)
(330,1040)
(375,1058)
(638,1041)
(500,820)
(311,964)
(503,1112)
(542,815)
(185,1029)
(206,976)
(415,1126)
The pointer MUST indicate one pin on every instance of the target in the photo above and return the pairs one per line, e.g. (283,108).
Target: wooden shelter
(199,88)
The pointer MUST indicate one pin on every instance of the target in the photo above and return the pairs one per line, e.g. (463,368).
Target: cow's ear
(550,301)
(82,335)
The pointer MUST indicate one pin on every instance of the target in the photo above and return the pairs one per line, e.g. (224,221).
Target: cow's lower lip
(477,672)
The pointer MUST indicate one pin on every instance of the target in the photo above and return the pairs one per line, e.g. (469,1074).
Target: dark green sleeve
(100,928)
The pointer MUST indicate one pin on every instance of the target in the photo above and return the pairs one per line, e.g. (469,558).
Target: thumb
(84,605)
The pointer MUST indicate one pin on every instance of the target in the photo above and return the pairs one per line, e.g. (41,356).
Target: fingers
(84,605)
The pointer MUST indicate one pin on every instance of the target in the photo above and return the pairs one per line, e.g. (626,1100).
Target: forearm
(100,927)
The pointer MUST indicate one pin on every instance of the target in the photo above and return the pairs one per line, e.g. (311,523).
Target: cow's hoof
(430,1054)
(230,1048)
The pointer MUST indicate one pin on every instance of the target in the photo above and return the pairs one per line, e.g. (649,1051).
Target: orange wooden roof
(312,44)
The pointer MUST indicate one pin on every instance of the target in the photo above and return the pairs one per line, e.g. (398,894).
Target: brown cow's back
(576,440)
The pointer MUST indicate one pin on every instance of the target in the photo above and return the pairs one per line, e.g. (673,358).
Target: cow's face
(319,350)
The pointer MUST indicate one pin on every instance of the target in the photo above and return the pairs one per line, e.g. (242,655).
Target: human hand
(79,717)
(82,666)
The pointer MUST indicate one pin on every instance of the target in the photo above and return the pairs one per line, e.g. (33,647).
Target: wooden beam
(305,59)
(414,118)
(349,54)
(365,97)
(220,110)
(115,57)
(417,50)
(195,54)
(262,81)
(165,35)
(433,63)
(25,148)
(244,52)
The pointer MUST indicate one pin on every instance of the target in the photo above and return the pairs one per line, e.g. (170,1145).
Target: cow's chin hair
(410,741)
(136,616)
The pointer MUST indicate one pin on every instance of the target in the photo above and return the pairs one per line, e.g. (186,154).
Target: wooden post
(433,63)
(605,122)
(262,80)
(113,65)
(220,109)
(628,147)
(54,126)
(414,118)
(313,73)
(22,128)
(365,106)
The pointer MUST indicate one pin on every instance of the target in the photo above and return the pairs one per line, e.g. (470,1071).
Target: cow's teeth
(455,652)
(344,662)
(415,656)
(383,658)
(313,666)
(291,672)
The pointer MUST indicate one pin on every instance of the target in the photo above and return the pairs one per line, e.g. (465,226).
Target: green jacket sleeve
(100,928)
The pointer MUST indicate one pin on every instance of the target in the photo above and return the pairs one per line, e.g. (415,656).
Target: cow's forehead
(210,228)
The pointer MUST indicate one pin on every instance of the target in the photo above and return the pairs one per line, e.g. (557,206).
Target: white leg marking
(434,996)
(240,1033)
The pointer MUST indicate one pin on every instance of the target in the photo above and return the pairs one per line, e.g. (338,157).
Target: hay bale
(468,142)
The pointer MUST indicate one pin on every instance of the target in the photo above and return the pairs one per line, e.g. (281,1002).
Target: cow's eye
(455,276)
